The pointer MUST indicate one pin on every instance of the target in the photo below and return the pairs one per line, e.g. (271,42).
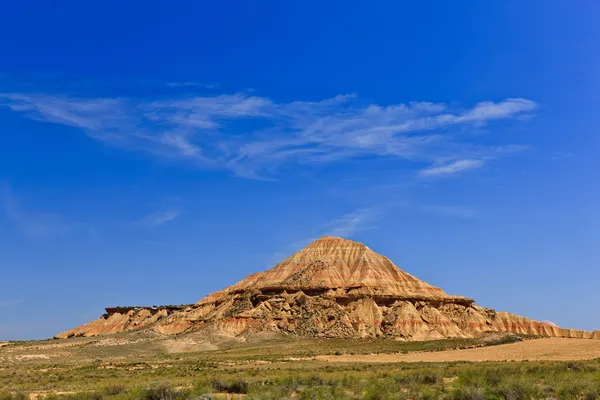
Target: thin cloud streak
(451,168)
(352,223)
(159,218)
(253,136)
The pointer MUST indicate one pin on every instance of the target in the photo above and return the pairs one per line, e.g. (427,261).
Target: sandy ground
(551,349)
(187,345)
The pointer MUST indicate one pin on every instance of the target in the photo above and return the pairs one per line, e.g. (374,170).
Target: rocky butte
(332,288)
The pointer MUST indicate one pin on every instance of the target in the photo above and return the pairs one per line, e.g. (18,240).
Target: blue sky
(151,152)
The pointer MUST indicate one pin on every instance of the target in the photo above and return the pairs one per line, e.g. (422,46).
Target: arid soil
(292,365)
(546,349)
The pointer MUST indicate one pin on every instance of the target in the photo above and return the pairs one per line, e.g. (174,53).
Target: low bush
(238,386)
(13,396)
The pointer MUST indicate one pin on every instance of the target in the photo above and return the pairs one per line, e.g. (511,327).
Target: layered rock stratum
(332,288)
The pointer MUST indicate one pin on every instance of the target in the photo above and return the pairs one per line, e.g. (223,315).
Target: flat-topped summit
(332,288)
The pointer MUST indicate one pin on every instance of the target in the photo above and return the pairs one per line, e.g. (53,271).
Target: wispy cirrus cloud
(254,136)
(31,224)
(159,218)
(353,222)
(451,168)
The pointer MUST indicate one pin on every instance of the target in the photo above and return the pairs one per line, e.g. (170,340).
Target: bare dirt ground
(187,345)
(548,349)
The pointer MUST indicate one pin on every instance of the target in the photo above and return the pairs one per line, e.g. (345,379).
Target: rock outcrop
(332,288)
(121,319)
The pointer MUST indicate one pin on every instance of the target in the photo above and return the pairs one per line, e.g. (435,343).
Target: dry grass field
(545,349)
(141,366)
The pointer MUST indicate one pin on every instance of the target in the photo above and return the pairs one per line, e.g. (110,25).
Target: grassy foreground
(280,370)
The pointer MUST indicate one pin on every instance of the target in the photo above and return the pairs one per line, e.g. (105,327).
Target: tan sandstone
(332,288)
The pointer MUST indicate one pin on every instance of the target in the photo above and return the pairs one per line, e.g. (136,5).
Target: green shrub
(13,396)
(238,387)
(519,391)
(468,394)
(164,392)
(114,390)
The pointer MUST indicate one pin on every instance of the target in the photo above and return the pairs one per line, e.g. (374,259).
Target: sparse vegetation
(281,369)
(457,381)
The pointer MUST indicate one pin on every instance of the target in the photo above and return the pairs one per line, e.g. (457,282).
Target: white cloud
(351,223)
(181,143)
(253,136)
(451,168)
(487,110)
(33,225)
(159,218)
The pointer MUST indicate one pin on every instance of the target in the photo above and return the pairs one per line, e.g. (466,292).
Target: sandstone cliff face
(332,288)
(120,319)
